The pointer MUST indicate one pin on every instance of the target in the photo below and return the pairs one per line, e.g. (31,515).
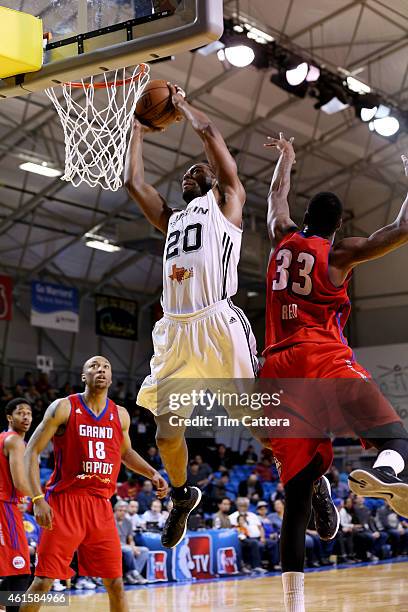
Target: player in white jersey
(202,335)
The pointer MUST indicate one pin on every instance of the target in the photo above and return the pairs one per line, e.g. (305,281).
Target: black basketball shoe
(381,482)
(326,516)
(175,527)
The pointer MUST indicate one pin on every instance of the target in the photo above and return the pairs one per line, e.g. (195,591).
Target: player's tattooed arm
(15,448)
(56,416)
(232,194)
(352,251)
(278,220)
(153,205)
(135,462)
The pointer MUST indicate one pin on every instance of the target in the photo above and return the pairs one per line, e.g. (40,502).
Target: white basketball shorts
(213,343)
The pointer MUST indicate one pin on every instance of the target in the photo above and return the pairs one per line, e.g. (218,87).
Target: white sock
(294,591)
(390,458)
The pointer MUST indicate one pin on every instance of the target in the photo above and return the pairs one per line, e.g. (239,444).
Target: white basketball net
(95,127)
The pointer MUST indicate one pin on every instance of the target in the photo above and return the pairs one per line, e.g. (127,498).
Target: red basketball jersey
(8,492)
(303,305)
(87,455)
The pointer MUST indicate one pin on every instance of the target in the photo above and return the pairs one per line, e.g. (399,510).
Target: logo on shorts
(232,320)
(18,562)
(2,542)
(78,411)
(181,274)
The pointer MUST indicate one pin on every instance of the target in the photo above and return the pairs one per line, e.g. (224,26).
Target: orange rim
(143,68)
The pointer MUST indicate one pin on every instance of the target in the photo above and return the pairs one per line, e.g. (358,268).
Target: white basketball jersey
(201,257)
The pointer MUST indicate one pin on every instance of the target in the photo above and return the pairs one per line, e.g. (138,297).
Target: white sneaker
(85,583)
(138,577)
(260,570)
(57,586)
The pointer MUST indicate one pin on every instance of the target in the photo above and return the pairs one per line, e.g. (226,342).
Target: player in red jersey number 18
(90,434)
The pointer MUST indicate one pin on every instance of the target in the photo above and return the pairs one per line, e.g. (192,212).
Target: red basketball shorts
(14,553)
(326,394)
(83,523)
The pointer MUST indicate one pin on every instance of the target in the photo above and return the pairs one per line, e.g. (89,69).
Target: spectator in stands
(134,557)
(339,489)
(129,489)
(367,537)
(264,470)
(26,381)
(251,532)
(220,486)
(146,496)
(221,518)
(249,457)
(204,469)
(156,516)
(276,517)
(51,395)
(271,536)
(38,410)
(223,458)
(388,521)
(18,391)
(119,392)
(5,394)
(194,477)
(345,536)
(31,394)
(43,384)
(133,515)
(252,488)
(317,551)
(153,457)
(279,492)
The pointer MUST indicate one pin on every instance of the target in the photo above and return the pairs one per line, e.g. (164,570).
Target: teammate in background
(202,334)
(90,437)
(307,308)
(14,552)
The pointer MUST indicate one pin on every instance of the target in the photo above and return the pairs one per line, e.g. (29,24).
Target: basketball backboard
(88,37)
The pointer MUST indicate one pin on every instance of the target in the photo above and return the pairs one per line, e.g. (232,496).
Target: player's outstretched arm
(15,448)
(220,159)
(352,251)
(135,462)
(278,220)
(56,416)
(153,205)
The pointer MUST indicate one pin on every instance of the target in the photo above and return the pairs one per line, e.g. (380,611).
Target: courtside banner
(54,306)
(116,317)
(200,555)
(6,298)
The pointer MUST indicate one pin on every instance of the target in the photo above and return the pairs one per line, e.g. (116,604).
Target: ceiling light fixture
(240,56)
(386,126)
(44,169)
(101,243)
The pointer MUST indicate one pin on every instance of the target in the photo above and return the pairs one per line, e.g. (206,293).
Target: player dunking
(307,308)
(202,334)
(14,553)
(91,439)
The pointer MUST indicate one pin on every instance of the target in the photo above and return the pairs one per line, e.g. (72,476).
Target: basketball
(154,106)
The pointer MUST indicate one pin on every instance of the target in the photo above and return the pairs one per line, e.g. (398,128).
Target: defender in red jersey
(90,434)
(14,553)
(307,308)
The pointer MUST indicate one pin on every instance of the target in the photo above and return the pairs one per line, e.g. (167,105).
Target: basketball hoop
(95,127)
